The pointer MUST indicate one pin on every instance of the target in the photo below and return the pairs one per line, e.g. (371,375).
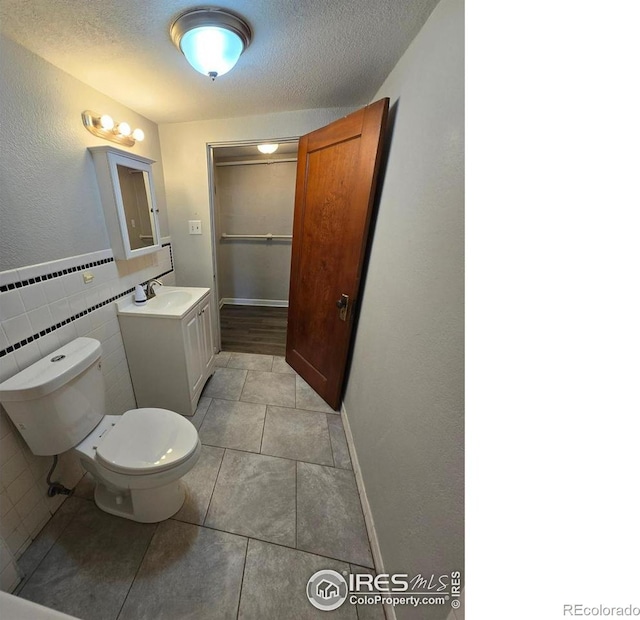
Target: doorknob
(343,304)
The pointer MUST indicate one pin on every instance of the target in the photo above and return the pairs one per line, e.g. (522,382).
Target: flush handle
(343,305)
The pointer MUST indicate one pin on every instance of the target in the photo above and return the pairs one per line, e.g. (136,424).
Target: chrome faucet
(150,292)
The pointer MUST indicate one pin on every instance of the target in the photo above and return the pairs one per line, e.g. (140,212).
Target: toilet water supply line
(55,488)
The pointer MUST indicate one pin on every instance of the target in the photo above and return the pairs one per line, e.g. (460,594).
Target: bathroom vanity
(169,346)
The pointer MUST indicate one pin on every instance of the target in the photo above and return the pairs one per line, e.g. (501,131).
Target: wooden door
(335,188)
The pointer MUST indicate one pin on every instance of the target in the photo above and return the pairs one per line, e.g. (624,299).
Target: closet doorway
(252,201)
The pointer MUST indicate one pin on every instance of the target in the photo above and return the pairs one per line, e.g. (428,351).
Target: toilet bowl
(137,458)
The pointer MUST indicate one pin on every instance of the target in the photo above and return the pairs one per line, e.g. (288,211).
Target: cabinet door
(207,334)
(125,181)
(192,338)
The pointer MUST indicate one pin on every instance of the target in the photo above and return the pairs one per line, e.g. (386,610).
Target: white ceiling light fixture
(211,39)
(267,149)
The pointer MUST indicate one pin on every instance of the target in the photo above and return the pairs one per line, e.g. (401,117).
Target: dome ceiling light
(211,39)
(267,149)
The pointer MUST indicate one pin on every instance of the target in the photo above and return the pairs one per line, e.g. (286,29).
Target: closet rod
(268,236)
(253,162)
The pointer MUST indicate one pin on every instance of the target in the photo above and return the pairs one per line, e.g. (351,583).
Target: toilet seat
(146,441)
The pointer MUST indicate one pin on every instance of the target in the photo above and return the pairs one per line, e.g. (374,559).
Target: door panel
(207,339)
(193,350)
(335,187)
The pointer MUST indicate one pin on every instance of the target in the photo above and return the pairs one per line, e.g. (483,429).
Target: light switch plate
(195,227)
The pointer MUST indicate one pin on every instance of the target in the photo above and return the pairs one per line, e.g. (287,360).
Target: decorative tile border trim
(65,269)
(164,245)
(48,330)
(58,274)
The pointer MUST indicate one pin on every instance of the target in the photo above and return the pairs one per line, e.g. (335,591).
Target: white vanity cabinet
(170,348)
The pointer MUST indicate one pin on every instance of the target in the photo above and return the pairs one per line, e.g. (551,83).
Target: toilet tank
(56,402)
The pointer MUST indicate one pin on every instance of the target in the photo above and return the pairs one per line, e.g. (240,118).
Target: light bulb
(138,134)
(106,122)
(124,129)
(267,149)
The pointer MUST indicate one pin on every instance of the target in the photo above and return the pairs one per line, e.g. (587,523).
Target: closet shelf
(268,236)
(254,162)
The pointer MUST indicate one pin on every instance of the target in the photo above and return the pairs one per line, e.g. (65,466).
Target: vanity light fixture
(105,127)
(267,149)
(211,39)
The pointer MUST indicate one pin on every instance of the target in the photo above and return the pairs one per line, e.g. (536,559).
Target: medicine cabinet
(126,189)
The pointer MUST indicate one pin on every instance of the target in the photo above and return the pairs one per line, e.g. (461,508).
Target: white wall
(51,220)
(404,399)
(184,148)
(49,201)
(254,200)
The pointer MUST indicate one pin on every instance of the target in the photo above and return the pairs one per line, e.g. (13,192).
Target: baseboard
(240,301)
(366,508)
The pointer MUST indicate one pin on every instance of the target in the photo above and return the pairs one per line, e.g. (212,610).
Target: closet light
(103,126)
(267,149)
(212,40)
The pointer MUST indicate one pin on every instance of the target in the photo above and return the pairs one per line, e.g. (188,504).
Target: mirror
(126,190)
(136,200)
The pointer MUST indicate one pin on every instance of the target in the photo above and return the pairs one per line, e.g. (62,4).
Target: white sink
(171,302)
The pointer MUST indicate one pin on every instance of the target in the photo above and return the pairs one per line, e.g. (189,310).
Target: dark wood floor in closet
(254,329)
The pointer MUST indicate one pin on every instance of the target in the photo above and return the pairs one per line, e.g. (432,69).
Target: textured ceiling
(304,54)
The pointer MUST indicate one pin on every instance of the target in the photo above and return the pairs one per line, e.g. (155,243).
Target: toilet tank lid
(52,371)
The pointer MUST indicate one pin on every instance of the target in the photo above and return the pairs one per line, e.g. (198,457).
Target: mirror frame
(106,160)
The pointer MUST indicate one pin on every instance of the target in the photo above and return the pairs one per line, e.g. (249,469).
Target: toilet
(137,459)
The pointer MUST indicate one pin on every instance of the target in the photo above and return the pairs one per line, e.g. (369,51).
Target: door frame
(212,214)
